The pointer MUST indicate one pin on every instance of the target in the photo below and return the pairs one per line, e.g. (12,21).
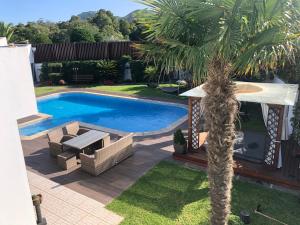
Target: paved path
(63,206)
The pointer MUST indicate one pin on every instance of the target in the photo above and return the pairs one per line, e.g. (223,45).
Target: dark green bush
(84,68)
(151,74)
(55,77)
(138,70)
(44,72)
(48,68)
(101,69)
(55,67)
(108,70)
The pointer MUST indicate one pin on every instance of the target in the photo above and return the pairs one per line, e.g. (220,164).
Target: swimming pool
(122,114)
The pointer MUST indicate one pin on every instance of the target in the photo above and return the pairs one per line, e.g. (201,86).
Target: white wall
(15,71)
(3,41)
(15,197)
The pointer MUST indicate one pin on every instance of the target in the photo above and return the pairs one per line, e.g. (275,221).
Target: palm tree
(6,30)
(215,39)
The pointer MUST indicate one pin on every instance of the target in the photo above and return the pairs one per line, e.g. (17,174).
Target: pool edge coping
(42,116)
(106,129)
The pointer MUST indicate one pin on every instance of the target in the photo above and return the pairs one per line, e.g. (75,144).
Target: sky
(22,11)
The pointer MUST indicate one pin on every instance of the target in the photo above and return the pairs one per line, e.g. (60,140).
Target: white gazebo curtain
(287,128)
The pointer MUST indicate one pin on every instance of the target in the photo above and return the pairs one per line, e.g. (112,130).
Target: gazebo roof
(269,93)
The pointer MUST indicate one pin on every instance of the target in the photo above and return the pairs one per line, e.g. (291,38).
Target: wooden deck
(248,169)
(108,185)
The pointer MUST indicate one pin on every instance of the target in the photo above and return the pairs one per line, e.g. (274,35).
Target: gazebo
(277,101)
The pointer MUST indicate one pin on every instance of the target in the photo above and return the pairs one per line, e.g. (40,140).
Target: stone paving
(63,206)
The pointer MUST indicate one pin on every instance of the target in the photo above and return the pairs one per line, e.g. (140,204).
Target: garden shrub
(84,68)
(44,72)
(108,70)
(55,77)
(101,69)
(138,70)
(68,70)
(54,67)
(151,73)
(48,68)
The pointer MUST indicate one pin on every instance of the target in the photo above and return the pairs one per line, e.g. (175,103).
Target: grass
(140,90)
(47,89)
(171,194)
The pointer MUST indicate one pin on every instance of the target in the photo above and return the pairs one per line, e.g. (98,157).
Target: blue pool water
(122,114)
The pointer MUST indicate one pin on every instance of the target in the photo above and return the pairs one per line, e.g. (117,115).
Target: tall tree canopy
(103,26)
(214,39)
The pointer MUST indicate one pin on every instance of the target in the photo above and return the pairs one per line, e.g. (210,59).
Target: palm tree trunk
(220,114)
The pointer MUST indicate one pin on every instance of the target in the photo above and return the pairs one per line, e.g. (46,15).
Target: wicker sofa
(55,140)
(108,156)
(75,129)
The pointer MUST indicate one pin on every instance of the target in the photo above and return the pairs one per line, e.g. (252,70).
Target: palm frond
(6,30)
(248,34)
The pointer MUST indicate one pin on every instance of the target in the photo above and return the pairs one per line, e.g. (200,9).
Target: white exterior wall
(17,100)
(15,70)
(3,41)
(15,197)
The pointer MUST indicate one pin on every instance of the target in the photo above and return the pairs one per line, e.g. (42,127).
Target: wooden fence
(83,51)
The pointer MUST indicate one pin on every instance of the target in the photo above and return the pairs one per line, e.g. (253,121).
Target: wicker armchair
(108,156)
(56,138)
(74,129)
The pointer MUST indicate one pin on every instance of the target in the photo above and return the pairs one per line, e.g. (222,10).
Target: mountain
(130,17)
(86,15)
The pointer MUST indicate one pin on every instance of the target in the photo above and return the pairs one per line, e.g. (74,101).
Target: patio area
(74,208)
(75,197)
(108,185)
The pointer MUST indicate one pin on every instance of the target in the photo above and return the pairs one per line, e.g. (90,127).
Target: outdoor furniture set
(93,148)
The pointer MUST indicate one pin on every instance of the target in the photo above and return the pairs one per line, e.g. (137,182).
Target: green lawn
(131,89)
(47,89)
(172,194)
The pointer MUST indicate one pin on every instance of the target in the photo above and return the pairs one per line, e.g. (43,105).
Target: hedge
(55,77)
(48,68)
(138,70)
(103,70)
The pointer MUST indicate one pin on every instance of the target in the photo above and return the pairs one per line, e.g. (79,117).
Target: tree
(81,34)
(108,26)
(124,27)
(214,39)
(6,30)
(103,19)
(61,36)
(137,33)
(139,25)
(34,32)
